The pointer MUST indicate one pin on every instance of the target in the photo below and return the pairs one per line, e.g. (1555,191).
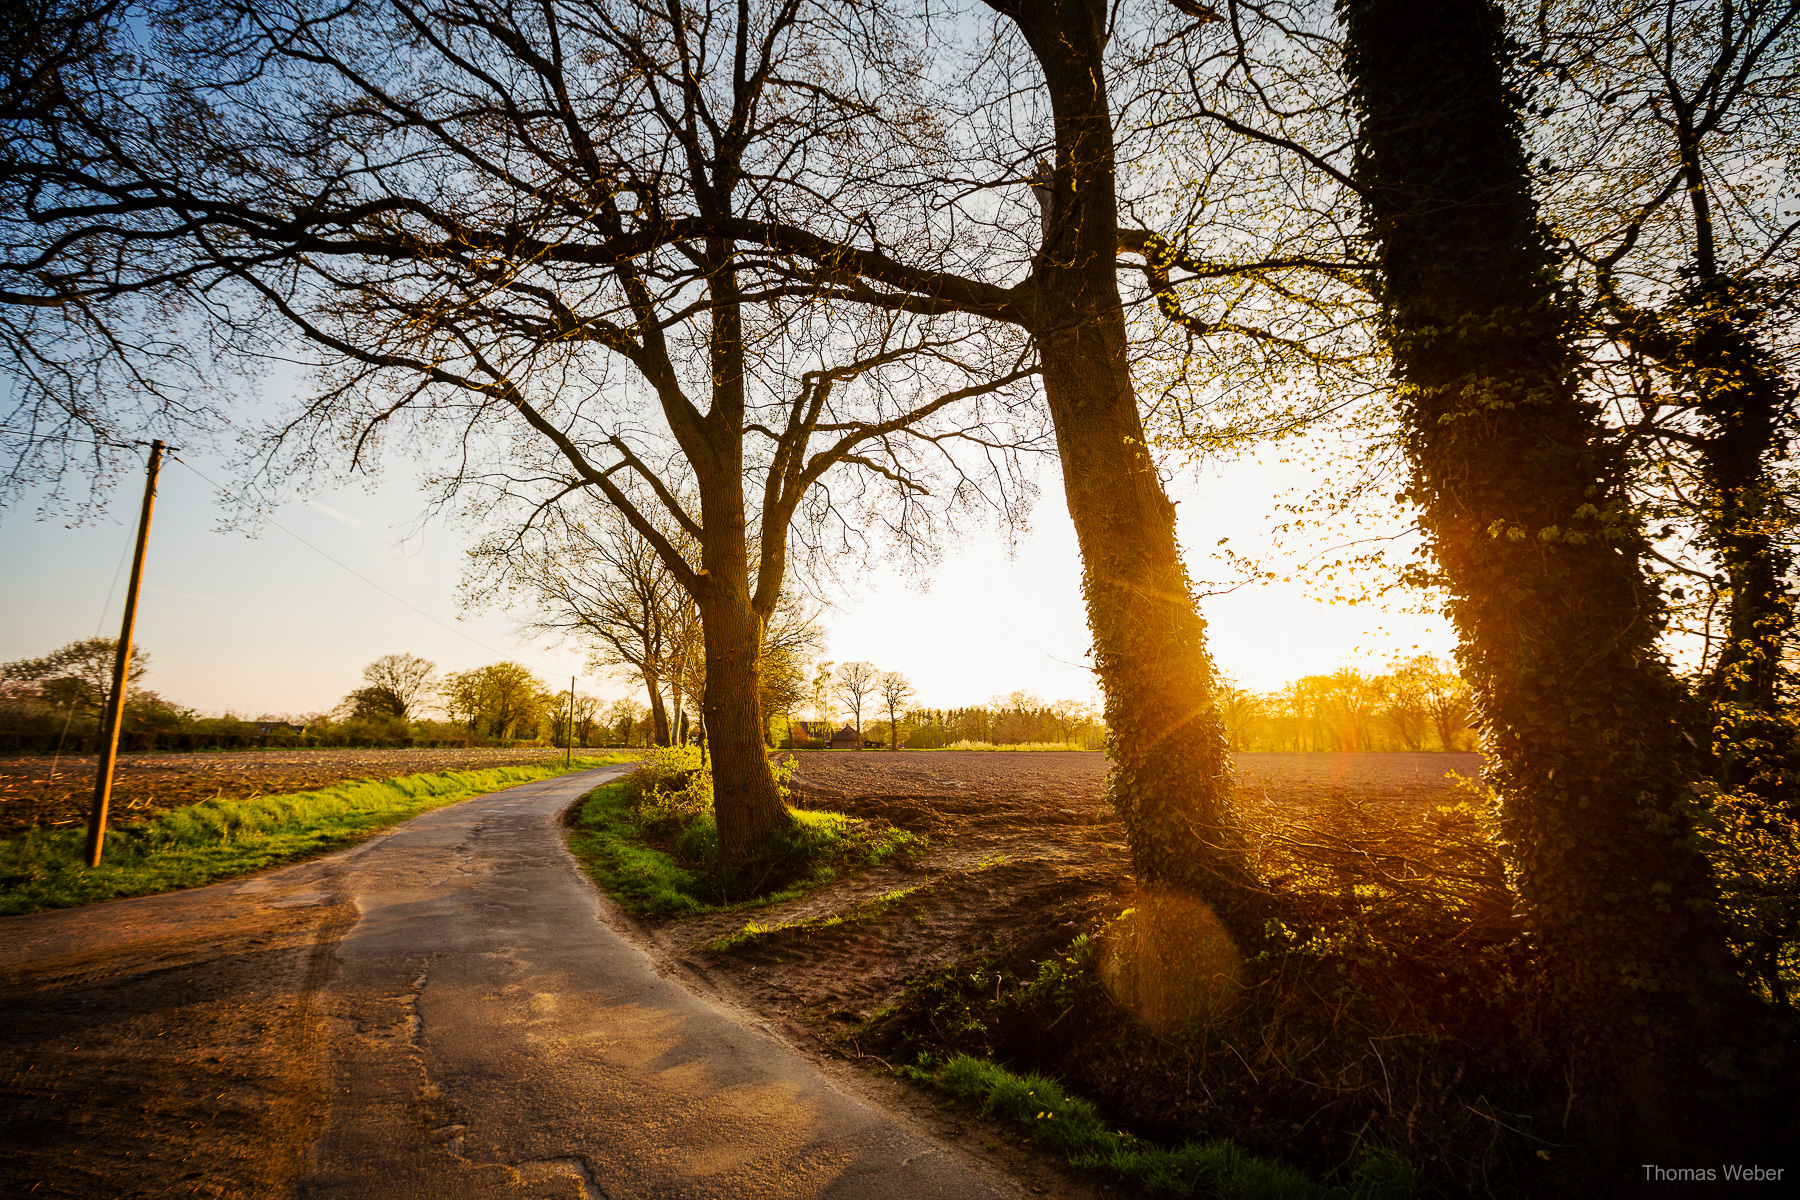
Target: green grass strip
(607,844)
(872,909)
(1070,1125)
(610,847)
(219,839)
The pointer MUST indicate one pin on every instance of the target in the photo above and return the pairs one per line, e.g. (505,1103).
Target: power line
(79,441)
(271,520)
(353,571)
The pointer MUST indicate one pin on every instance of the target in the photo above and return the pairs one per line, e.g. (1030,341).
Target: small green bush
(1070,1125)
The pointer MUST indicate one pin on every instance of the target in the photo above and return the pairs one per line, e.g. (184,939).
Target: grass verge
(218,839)
(653,861)
(754,932)
(1058,1121)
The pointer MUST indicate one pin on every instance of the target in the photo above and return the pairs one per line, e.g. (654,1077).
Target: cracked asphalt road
(439,1012)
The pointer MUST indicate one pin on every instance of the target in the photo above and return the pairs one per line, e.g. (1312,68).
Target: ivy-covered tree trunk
(1171,778)
(1743,395)
(1591,737)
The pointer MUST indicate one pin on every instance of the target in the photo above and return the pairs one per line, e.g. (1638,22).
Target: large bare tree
(410,680)
(540,251)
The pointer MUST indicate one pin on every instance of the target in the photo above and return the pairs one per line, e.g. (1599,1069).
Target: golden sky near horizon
(264,624)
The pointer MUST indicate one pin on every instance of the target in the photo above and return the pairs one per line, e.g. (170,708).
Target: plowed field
(1023,853)
(41,791)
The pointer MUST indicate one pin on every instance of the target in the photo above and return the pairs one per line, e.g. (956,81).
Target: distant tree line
(1018,718)
(57,703)
(1418,704)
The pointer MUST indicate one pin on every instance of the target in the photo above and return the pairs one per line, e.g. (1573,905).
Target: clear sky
(266,625)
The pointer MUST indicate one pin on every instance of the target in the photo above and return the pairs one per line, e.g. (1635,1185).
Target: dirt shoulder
(166,1046)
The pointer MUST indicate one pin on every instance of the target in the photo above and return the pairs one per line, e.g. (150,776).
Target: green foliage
(1751,833)
(1062,978)
(219,839)
(609,844)
(77,676)
(670,783)
(651,843)
(1057,1120)
(501,700)
(1018,721)
(1419,703)
(374,703)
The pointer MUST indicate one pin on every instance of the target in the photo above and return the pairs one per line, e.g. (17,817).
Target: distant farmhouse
(845,739)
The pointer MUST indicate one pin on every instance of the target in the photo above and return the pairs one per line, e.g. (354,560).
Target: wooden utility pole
(115,703)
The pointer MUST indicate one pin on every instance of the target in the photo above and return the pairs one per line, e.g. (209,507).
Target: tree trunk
(1171,776)
(747,803)
(1588,730)
(1742,395)
(659,716)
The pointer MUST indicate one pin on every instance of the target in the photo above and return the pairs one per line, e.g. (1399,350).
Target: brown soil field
(1023,853)
(41,791)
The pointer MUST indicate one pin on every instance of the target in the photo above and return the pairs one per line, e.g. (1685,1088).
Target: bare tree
(409,679)
(855,683)
(819,693)
(538,200)
(895,692)
(544,250)
(593,576)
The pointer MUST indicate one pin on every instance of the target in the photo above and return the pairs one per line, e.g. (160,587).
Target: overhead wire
(351,570)
(62,740)
(272,521)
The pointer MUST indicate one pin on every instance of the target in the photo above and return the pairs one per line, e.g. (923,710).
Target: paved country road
(439,1012)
